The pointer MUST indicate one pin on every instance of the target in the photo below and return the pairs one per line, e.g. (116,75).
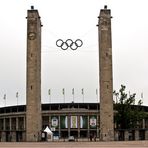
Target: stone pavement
(123,144)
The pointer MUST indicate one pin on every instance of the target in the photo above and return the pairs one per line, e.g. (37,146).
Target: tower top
(33,13)
(106,13)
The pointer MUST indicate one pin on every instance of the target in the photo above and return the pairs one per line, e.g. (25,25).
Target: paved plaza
(128,144)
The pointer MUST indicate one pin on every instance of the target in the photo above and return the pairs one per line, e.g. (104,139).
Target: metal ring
(64,46)
(69,43)
(59,42)
(79,42)
(74,46)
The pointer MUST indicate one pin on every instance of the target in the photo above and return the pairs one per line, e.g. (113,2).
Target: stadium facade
(65,119)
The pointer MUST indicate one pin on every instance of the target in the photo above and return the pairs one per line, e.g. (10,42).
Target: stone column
(69,123)
(33,82)
(106,76)
(88,134)
(143,123)
(59,126)
(16,123)
(98,126)
(78,126)
(24,123)
(10,124)
(4,124)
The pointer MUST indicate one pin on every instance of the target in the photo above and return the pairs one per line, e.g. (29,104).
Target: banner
(63,122)
(74,122)
(93,121)
(54,121)
(84,122)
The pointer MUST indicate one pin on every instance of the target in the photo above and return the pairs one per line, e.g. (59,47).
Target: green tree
(128,115)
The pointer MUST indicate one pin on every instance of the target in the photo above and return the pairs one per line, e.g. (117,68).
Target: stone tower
(33,86)
(106,78)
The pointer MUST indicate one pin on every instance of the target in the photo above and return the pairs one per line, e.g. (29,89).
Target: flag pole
(17,97)
(97,95)
(83,95)
(73,94)
(49,93)
(63,91)
(142,99)
(4,100)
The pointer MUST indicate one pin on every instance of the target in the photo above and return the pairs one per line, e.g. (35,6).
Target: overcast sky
(74,19)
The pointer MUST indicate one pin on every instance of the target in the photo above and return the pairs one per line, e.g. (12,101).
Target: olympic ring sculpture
(69,43)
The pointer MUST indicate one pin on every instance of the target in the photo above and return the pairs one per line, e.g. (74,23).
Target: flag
(4,97)
(63,91)
(54,121)
(74,122)
(63,122)
(93,121)
(84,122)
(73,91)
(142,95)
(16,94)
(82,91)
(96,91)
(49,92)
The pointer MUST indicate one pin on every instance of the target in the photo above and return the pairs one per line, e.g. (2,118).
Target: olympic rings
(69,43)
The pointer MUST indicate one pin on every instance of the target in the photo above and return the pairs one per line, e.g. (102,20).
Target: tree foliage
(128,115)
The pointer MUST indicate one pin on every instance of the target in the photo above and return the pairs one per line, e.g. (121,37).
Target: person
(91,137)
(94,137)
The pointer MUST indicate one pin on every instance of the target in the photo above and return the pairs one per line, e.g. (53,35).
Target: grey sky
(73,69)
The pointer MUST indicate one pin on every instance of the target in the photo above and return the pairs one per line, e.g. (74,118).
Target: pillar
(98,126)
(78,126)
(143,123)
(106,78)
(33,90)
(69,123)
